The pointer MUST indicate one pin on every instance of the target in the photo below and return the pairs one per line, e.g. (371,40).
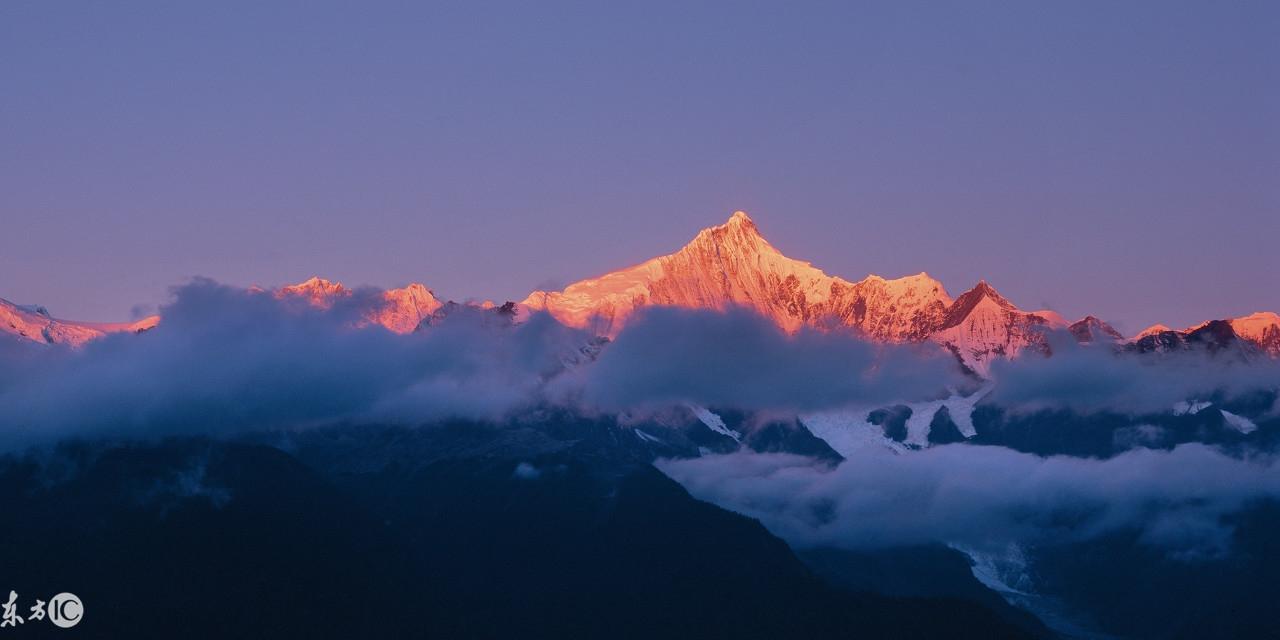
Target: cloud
(987,497)
(225,360)
(1096,378)
(740,359)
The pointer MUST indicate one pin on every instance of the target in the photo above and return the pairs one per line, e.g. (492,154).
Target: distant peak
(984,289)
(970,299)
(414,287)
(1154,329)
(1090,328)
(922,277)
(410,292)
(314,284)
(739,222)
(1259,316)
(317,290)
(738,231)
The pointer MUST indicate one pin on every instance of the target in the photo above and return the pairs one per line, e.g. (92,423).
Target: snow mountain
(733,265)
(1090,329)
(982,326)
(1246,336)
(34,323)
(1262,329)
(401,311)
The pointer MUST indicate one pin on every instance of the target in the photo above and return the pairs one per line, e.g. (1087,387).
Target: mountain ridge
(733,265)
(35,323)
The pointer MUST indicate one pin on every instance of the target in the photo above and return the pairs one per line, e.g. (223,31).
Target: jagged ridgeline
(732,264)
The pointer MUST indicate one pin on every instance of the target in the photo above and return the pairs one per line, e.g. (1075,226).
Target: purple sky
(1121,159)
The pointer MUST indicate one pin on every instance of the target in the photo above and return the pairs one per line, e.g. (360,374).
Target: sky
(1119,159)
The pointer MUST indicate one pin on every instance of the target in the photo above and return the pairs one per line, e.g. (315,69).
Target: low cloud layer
(987,497)
(741,359)
(1090,378)
(224,360)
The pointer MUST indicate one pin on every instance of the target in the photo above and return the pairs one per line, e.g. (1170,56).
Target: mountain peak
(739,232)
(1092,329)
(984,288)
(34,323)
(982,325)
(1152,330)
(314,283)
(406,308)
(1261,328)
(1258,317)
(316,290)
(965,304)
(732,265)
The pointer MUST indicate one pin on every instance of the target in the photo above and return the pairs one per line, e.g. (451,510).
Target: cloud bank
(225,360)
(1090,378)
(987,498)
(740,359)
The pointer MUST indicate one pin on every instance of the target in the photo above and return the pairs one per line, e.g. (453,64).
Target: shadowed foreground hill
(450,532)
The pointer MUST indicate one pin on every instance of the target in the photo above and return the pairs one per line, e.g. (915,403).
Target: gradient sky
(1115,158)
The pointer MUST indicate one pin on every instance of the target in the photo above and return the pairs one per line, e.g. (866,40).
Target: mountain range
(730,265)
(985,511)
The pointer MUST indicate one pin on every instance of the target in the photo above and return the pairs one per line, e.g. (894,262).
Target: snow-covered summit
(1090,329)
(402,310)
(733,265)
(983,325)
(35,323)
(1260,330)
